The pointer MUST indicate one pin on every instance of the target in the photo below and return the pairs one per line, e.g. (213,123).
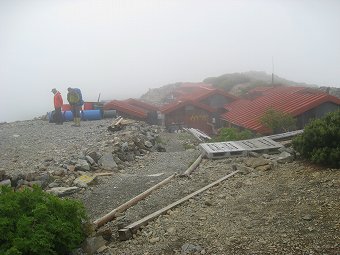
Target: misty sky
(122,48)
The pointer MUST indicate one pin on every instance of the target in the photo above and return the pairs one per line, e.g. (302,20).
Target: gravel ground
(293,209)
(28,145)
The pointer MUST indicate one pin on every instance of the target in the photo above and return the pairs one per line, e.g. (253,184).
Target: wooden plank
(287,135)
(127,232)
(118,122)
(111,215)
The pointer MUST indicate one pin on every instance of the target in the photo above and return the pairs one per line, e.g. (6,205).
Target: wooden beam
(193,166)
(119,121)
(127,232)
(111,215)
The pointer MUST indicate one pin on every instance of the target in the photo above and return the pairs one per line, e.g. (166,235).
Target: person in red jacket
(58,102)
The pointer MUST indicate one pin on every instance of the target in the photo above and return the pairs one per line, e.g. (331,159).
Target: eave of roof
(125,108)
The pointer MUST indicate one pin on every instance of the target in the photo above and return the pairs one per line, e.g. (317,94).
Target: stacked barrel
(89,111)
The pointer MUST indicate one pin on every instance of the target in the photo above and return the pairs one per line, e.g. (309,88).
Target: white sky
(122,48)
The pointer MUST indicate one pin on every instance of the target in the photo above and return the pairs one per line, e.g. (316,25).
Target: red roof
(178,104)
(211,92)
(293,100)
(140,104)
(126,108)
(198,91)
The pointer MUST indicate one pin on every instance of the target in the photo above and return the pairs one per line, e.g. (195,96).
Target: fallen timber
(201,136)
(116,125)
(285,136)
(128,231)
(193,166)
(111,215)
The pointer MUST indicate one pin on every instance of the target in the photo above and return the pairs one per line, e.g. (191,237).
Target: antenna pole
(272,70)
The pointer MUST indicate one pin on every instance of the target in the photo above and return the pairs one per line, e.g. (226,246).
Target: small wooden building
(196,105)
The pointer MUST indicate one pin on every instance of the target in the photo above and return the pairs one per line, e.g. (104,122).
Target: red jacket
(58,100)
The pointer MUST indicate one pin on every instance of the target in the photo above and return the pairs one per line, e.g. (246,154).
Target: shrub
(320,140)
(232,134)
(278,121)
(34,222)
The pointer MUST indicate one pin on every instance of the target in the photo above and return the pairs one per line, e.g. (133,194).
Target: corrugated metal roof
(191,90)
(143,105)
(195,94)
(178,104)
(292,100)
(126,108)
(198,91)
(214,92)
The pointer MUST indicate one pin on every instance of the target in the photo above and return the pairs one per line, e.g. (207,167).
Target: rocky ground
(272,206)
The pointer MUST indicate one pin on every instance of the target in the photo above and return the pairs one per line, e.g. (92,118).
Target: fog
(122,48)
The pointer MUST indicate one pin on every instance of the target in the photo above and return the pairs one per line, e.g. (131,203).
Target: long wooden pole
(111,215)
(128,231)
(193,166)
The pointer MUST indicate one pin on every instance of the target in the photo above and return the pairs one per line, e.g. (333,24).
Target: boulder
(5,183)
(44,179)
(82,165)
(84,180)
(254,154)
(94,155)
(54,184)
(160,148)
(287,149)
(107,162)
(59,172)
(148,144)
(30,176)
(16,178)
(188,248)
(90,160)
(2,175)
(92,244)
(264,168)
(256,162)
(285,157)
(36,183)
(63,191)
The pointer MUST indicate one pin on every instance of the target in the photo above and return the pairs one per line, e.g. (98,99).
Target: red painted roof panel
(126,108)
(141,104)
(178,104)
(292,100)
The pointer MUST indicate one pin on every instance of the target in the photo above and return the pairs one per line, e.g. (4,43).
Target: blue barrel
(68,116)
(91,115)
